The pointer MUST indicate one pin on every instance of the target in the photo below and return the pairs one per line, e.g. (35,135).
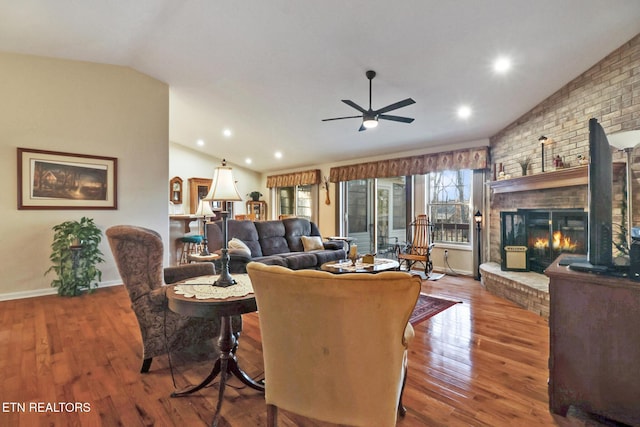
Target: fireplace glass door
(541,236)
(514,241)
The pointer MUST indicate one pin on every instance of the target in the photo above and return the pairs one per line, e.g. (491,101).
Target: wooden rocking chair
(419,251)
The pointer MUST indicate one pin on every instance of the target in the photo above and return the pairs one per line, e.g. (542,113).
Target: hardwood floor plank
(479,363)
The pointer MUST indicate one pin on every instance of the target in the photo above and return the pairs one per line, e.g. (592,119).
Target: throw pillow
(239,246)
(312,243)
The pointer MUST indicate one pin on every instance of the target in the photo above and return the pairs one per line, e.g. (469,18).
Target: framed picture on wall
(57,180)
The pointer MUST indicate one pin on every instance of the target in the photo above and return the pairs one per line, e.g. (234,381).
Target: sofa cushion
(271,260)
(245,231)
(311,243)
(295,228)
(333,245)
(271,237)
(238,246)
(329,255)
(300,260)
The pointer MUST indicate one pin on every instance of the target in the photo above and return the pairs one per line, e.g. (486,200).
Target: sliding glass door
(376,214)
(359,216)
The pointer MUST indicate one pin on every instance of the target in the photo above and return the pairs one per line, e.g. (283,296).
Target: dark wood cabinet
(594,357)
(198,188)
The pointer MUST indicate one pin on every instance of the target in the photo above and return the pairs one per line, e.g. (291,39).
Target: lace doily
(348,266)
(202,287)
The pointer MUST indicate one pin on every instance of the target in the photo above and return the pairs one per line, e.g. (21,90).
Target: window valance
(294,178)
(468,158)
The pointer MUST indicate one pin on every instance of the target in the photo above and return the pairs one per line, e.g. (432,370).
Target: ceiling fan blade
(396,118)
(354,105)
(340,118)
(362,128)
(395,106)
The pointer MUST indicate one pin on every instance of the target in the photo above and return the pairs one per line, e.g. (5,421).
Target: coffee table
(346,266)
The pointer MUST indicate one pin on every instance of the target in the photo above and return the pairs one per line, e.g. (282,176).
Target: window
(448,201)
(296,200)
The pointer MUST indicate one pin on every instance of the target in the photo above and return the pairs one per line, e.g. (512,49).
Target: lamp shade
(204,209)
(622,140)
(223,186)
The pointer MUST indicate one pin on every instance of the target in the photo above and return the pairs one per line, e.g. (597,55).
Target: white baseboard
(47,291)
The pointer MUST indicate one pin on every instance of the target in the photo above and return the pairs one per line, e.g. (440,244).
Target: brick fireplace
(557,193)
(554,191)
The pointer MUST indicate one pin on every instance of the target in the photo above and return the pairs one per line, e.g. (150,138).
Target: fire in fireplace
(558,243)
(533,238)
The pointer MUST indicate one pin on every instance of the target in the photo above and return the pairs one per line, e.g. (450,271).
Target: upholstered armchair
(138,253)
(334,346)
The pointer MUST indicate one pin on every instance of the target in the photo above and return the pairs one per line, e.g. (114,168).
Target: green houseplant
(75,254)
(255,195)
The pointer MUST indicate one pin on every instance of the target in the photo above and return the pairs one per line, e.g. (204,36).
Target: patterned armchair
(138,253)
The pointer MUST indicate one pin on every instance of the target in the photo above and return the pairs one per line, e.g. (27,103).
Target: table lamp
(204,211)
(223,189)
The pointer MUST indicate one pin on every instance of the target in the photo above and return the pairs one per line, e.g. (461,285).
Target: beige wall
(85,108)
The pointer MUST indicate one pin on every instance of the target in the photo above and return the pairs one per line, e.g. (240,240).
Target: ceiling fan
(370,117)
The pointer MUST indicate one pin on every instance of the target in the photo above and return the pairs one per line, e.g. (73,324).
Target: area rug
(428,306)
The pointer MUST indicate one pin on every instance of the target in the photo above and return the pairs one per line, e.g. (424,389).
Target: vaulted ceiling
(270,71)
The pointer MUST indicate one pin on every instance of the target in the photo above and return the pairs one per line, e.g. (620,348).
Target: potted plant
(255,195)
(75,254)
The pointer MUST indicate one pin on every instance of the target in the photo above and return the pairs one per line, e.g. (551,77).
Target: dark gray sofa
(273,242)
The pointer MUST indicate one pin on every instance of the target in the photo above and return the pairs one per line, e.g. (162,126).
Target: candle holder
(353,254)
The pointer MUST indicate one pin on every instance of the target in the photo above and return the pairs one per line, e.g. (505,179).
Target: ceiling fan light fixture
(370,117)
(369,122)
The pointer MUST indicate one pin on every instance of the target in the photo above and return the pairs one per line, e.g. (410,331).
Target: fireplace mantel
(566,177)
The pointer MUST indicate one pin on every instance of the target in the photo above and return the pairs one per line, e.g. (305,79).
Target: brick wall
(608,91)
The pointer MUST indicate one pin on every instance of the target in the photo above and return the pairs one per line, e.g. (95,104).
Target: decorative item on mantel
(543,140)
(502,175)
(583,160)
(524,164)
(557,162)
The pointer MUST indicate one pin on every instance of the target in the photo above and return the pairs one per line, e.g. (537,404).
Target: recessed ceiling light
(502,65)
(464,112)
(227,132)
(248,161)
(200,142)
(278,155)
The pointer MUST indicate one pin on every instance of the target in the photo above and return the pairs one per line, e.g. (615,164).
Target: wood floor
(480,363)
